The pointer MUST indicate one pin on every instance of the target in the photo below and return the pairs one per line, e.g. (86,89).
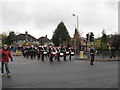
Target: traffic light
(91,37)
(87,37)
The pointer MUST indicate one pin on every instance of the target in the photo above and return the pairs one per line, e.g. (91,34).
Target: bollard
(81,54)
(16,52)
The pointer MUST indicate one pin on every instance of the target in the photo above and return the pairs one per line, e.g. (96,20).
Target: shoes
(92,64)
(2,74)
(9,74)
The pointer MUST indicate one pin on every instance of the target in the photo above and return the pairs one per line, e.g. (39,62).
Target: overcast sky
(41,17)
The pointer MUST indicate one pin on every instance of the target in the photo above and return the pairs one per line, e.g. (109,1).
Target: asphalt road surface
(27,73)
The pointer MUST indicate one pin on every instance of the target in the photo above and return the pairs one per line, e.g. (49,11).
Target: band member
(51,54)
(38,53)
(112,51)
(92,54)
(63,51)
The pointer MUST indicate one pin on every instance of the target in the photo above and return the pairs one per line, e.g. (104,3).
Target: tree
(104,40)
(114,41)
(104,37)
(9,38)
(77,40)
(4,36)
(76,34)
(60,35)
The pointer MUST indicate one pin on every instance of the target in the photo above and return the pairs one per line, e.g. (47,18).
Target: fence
(102,55)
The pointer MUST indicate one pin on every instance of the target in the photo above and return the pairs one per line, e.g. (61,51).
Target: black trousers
(38,56)
(112,55)
(51,57)
(70,57)
(42,56)
(92,59)
(6,67)
(58,57)
(64,56)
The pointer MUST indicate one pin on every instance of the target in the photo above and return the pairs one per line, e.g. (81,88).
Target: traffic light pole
(88,44)
(88,37)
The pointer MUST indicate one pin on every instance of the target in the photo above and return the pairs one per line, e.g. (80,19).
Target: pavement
(98,58)
(27,73)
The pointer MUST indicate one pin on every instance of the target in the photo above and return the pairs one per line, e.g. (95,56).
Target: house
(44,40)
(24,38)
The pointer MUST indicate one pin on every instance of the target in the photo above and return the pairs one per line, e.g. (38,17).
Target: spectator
(5,59)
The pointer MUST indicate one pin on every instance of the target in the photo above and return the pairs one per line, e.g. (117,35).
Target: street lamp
(77,29)
(77,21)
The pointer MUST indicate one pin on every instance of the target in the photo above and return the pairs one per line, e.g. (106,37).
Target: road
(27,73)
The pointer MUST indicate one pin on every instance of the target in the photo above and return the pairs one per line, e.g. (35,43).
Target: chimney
(26,36)
(46,36)
(26,32)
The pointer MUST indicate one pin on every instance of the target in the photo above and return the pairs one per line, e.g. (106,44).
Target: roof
(43,38)
(24,36)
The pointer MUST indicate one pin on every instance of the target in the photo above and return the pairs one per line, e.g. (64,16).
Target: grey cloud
(14,14)
(45,16)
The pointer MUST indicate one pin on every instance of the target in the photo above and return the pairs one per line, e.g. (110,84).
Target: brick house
(44,40)
(23,38)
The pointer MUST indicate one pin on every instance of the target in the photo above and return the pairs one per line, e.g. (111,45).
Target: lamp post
(77,25)
(77,21)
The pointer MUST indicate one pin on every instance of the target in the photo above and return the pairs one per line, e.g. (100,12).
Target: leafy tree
(60,35)
(77,40)
(104,40)
(9,38)
(104,37)
(115,41)
(97,43)
(76,34)
(4,36)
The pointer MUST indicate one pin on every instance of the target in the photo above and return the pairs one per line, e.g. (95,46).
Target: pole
(77,30)
(75,45)
(88,46)
(88,37)
(77,23)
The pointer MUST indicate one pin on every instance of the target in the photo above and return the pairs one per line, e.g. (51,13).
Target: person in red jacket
(5,59)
